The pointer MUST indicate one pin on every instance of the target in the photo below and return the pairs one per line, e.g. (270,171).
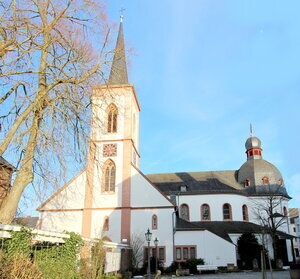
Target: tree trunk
(25,174)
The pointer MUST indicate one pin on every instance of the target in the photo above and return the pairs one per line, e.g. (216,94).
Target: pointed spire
(118,72)
(251,131)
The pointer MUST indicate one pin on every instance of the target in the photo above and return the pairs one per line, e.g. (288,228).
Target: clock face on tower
(109,150)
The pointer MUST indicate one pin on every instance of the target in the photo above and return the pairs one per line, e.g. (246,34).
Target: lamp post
(156,252)
(148,236)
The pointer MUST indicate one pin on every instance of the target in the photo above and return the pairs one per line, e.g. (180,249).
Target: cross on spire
(122,10)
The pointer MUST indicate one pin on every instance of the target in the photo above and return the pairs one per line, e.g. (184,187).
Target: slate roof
(224,228)
(209,182)
(4,163)
(197,182)
(118,73)
(293,212)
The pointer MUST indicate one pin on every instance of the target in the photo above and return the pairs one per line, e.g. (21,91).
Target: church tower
(114,149)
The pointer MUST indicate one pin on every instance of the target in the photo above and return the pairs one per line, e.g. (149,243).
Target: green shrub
(191,264)
(19,243)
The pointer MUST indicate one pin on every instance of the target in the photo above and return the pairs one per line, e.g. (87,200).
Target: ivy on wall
(52,261)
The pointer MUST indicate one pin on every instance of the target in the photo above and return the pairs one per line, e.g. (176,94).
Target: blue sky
(203,71)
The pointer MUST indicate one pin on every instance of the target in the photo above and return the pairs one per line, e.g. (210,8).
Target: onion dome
(252,142)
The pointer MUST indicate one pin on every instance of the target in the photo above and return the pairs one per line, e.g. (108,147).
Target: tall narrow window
(109,176)
(284,211)
(245,213)
(205,212)
(112,118)
(154,222)
(184,212)
(178,253)
(106,224)
(227,211)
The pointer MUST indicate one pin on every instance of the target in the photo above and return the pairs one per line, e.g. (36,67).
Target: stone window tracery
(227,215)
(205,212)
(184,212)
(112,118)
(109,177)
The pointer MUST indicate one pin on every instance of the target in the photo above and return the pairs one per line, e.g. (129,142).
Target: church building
(192,214)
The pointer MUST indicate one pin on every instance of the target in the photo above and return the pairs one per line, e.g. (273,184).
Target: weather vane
(122,14)
(251,131)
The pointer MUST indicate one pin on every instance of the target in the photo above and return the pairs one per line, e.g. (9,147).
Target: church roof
(224,228)
(210,182)
(197,182)
(118,72)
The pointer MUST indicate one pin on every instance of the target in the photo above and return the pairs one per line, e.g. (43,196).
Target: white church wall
(141,220)
(60,221)
(71,196)
(144,194)
(114,231)
(215,203)
(210,247)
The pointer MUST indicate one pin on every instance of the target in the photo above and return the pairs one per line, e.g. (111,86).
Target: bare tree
(51,53)
(137,246)
(268,212)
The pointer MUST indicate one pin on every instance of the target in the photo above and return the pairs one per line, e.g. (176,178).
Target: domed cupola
(253,147)
(258,172)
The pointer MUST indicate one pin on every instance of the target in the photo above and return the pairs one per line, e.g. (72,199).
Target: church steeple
(118,72)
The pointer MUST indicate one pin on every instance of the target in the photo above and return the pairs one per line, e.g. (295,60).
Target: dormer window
(183,188)
(265,180)
(247,183)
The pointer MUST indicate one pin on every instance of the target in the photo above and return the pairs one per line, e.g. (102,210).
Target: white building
(294,222)
(197,214)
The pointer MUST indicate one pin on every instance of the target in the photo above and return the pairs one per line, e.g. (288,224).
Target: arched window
(184,212)
(205,212)
(284,211)
(106,223)
(109,177)
(112,118)
(245,213)
(154,222)
(265,180)
(227,212)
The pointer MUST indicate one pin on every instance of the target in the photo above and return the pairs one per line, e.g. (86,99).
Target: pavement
(237,275)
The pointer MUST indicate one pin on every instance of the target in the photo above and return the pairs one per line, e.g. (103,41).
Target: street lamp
(148,236)
(156,243)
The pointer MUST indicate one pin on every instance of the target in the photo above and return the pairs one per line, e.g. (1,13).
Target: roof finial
(122,14)
(251,131)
